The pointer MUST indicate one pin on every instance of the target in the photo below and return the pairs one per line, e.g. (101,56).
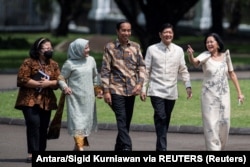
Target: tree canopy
(155,12)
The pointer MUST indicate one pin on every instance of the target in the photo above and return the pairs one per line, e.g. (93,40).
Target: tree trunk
(235,17)
(62,29)
(156,13)
(217,16)
(70,10)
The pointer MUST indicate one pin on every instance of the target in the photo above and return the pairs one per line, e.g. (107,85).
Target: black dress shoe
(28,159)
(126,149)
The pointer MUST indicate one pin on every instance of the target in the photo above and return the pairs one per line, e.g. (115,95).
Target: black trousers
(37,122)
(162,115)
(123,108)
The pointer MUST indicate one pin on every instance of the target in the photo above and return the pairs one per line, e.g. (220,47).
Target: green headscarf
(76,48)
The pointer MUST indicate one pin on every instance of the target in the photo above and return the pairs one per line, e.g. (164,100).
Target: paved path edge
(145,128)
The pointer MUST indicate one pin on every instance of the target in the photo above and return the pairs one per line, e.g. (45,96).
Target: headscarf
(76,48)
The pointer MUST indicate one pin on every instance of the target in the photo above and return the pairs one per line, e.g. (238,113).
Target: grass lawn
(186,112)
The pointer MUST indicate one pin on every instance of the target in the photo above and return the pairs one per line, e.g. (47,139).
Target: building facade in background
(24,15)
(21,15)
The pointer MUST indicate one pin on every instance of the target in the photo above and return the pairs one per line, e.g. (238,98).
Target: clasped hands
(44,83)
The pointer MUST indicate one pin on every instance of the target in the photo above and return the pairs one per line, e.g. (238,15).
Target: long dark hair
(37,46)
(218,40)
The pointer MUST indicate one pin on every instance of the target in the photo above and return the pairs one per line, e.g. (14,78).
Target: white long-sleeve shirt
(163,65)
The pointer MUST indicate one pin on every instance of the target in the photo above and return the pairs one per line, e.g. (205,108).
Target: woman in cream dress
(215,95)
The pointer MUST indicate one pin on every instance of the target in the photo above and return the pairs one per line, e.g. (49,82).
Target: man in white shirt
(164,62)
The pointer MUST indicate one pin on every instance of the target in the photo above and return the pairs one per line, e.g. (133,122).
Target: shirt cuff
(188,84)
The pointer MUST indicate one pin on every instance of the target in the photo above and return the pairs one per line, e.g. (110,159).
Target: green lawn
(186,112)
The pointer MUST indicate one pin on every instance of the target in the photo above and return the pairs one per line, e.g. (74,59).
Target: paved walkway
(13,143)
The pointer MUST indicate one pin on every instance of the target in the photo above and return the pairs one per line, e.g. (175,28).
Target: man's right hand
(107,98)
(143,96)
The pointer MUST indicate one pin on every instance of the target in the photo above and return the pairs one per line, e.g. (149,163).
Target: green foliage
(10,43)
(12,54)
(44,6)
(14,48)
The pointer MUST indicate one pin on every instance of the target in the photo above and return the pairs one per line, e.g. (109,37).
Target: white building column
(103,15)
(99,10)
(202,18)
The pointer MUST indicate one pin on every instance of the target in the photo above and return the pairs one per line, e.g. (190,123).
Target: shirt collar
(118,44)
(165,47)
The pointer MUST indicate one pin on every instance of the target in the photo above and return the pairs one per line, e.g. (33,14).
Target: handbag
(55,125)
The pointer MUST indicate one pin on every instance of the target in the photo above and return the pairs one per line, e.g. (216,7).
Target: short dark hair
(36,47)
(118,24)
(218,40)
(164,26)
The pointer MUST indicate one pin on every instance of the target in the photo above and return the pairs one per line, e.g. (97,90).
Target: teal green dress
(80,74)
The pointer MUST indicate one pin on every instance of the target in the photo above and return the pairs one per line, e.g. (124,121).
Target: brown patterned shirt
(122,68)
(46,98)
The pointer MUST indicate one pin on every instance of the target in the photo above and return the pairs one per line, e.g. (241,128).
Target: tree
(217,16)
(235,18)
(156,13)
(70,10)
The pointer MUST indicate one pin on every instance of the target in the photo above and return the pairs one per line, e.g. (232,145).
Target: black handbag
(55,125)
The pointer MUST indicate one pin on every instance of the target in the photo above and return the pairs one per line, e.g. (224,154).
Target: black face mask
(48,54)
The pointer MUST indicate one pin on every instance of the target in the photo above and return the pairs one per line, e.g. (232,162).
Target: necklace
(42,65)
